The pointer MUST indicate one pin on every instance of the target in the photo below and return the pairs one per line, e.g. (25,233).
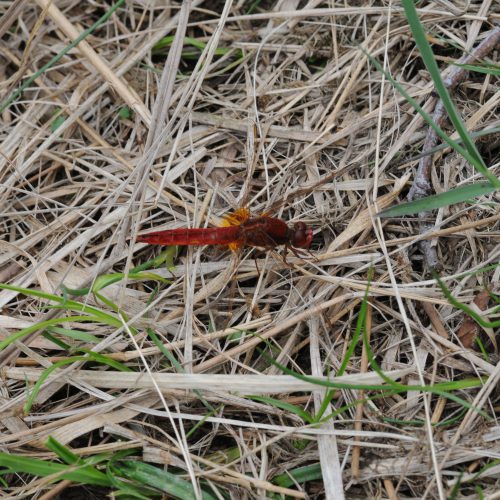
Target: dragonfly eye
(302,235)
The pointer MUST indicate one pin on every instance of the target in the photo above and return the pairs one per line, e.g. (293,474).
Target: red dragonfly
(238,229)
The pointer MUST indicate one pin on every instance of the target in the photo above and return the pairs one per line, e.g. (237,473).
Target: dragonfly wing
(236,218)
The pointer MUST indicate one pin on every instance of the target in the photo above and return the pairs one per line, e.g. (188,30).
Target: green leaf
(94,313)
(360,325)
(467,310)
(392,386)
(40,326)
(41,468)
(75,334)
(489,69)
(52,338)
(457,195)
(289,407)
(158,478)
(189,41)
(57,121)
(300,475)
(135,274)
(105,360)
(125,113)
(180,369)
(63,452)
(475,135)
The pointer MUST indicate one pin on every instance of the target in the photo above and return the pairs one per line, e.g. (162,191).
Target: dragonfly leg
(256,264)
(298,253)
(310,254)
(285,253)
(294,251)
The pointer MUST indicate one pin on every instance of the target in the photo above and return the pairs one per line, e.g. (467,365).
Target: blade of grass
(470,312)
(299,475)
(283,405)
(440,147)
(81,336)
(64,303)
(158,478)
(457,195)
(488,69)
(430,62)
(453,144)
(40,326)
(42,468)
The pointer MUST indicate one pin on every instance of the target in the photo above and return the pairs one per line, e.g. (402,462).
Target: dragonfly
(239,229)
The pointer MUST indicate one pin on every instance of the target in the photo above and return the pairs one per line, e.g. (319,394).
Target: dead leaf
(469,329)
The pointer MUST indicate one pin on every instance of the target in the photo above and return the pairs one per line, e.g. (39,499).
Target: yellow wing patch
(236,218)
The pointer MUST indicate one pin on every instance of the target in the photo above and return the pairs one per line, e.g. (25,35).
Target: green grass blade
(283,405)
(475,135)
(165,257)
(299,475)
(428,118)
(63,452)
(158,478)
(486,68)
(360,325)
(65,303)
(78,335)
(105,360)
(470,312)
(457,195)
(41,468)
(40,326)
(432,67)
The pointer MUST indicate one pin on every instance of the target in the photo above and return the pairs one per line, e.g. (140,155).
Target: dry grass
(290,101)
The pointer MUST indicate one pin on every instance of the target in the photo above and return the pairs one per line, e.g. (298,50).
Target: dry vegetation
(120,136)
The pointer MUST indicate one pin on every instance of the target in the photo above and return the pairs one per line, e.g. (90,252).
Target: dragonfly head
(301,235)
